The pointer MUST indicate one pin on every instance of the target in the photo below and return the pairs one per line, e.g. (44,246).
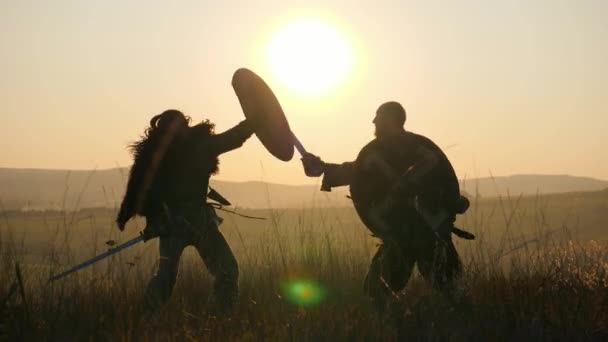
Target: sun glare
(309,56)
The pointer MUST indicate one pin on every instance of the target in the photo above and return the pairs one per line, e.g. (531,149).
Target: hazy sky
(505,86)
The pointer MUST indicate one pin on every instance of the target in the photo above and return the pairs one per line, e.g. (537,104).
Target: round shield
(382,165)
(261,106)
(372,180)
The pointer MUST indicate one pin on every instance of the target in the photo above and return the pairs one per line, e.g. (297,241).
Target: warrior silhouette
(407,194)
(168,185)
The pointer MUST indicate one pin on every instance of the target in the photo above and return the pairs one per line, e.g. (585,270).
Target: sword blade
(98,257)
(298,145)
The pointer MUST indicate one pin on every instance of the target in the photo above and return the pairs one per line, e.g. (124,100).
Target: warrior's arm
(230,139)
(337,175)
(333,174)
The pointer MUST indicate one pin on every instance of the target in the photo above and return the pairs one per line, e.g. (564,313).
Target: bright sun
(309,56)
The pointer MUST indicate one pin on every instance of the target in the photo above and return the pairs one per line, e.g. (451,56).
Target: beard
(376,131)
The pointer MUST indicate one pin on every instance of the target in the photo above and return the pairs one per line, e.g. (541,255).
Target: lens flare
(303,292)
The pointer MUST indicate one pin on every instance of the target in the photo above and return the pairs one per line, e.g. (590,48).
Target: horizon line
(463,179)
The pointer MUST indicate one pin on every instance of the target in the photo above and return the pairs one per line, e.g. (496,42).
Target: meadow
(537,270)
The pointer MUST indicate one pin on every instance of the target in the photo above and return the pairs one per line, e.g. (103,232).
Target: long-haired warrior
(168,185)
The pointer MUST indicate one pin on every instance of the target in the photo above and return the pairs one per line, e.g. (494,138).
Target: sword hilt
(302,151)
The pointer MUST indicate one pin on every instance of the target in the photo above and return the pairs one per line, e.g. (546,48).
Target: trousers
(415,244)
(216,254)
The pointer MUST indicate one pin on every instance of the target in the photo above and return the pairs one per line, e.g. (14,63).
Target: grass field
(538,270)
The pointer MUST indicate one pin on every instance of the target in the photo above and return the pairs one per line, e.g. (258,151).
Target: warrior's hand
(313,165)
(250,125)
(151,231)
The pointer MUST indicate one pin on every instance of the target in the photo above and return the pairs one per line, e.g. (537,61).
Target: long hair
(200,131)
(155,145)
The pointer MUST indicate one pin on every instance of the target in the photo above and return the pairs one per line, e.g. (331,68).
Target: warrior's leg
(161,285)
(440,264)
(388,274)
(222,264)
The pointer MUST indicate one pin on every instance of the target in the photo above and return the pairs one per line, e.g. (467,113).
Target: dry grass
(529,276)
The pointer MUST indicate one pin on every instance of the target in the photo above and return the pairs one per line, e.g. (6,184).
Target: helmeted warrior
(168,185)
(406,192)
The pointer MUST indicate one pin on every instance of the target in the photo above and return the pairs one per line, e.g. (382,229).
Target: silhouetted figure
(168,185)
(406,192)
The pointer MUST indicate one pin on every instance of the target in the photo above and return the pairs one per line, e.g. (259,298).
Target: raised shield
(262,107)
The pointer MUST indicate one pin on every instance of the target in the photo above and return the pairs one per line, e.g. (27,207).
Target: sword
(298,145)
(18,284)
(99,257)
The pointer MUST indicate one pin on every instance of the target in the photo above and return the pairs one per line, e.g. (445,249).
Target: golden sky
(507,87)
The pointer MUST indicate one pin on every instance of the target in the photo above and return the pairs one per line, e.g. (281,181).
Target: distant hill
(531,185)
(38,189)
